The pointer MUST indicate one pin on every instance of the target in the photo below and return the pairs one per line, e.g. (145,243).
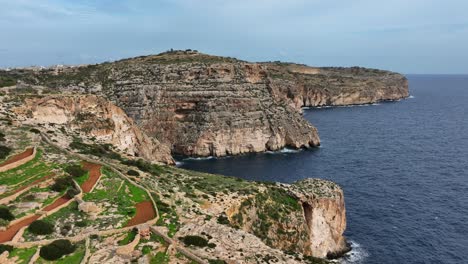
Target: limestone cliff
(97,118)
(202,105)
(307,217)
(309,86)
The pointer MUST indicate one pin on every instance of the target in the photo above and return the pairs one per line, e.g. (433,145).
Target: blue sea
(403,167)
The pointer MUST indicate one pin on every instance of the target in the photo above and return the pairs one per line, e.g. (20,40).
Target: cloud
(382,34)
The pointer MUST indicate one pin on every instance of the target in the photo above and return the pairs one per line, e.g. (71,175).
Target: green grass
(160,258)
(23,254)
(129,238)
(25,174)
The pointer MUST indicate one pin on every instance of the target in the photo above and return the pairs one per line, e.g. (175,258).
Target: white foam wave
(200,158)
(355,256)
(283,150)
(179,163)
(411,97)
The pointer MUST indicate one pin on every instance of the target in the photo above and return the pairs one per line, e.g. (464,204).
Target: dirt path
(144,212)
(8,234)
(94,174)
(28,152)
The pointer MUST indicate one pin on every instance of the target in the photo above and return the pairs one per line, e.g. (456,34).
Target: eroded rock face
(308,86)
(308,217)
(325,216)
(98,118)
(204,105)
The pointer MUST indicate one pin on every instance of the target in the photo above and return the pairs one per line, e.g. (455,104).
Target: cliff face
(204,105)
(308,86)
(307,217)
(95,117)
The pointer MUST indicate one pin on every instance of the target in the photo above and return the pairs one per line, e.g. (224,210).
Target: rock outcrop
(97,118)
(307,217)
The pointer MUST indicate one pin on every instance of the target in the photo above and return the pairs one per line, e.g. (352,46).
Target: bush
(40,227)
(35,131)
(4,222)
(57,249)
(5,214)
(62,184)
(4,151)
(222,219)
(133,173)
(4,248)
(75,170)
(197,241)
(72,192)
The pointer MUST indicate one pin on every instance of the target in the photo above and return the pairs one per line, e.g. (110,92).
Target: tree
(75,170)
(6,214)
(40,227)
(57,249)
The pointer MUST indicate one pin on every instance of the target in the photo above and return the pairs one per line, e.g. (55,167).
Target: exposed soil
(57,203)
(28,152)
(94,174)
(144,212)
(8,234)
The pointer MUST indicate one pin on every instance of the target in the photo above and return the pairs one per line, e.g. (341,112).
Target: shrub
(4,248)
(40,227)
(222,219)
(4,151)
(75,170)
(35,131)
(197,241)
(4,222)
(62,184)
(6,214)
(82,223)
(57,249)
(133,173)
(72,192)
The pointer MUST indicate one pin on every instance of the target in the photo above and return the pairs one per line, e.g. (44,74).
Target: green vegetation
(133,173)
(26,173)
(40,227)
(23,254)
(57,249)
(4,248)
(5,213)
(6,81)
(4,151)
(144,165)
(75,171)
(167,216)
(129,238)
(103,150)
(160,258)
(197,241)
(62,184)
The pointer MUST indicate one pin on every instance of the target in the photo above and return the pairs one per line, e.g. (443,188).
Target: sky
(407,36)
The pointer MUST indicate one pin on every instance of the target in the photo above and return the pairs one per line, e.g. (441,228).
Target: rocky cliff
(94,117)
(309,86)
(307,217)
(204,105)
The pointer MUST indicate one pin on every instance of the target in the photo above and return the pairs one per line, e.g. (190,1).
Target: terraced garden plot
(25,175)
(32,200)
(22,255)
